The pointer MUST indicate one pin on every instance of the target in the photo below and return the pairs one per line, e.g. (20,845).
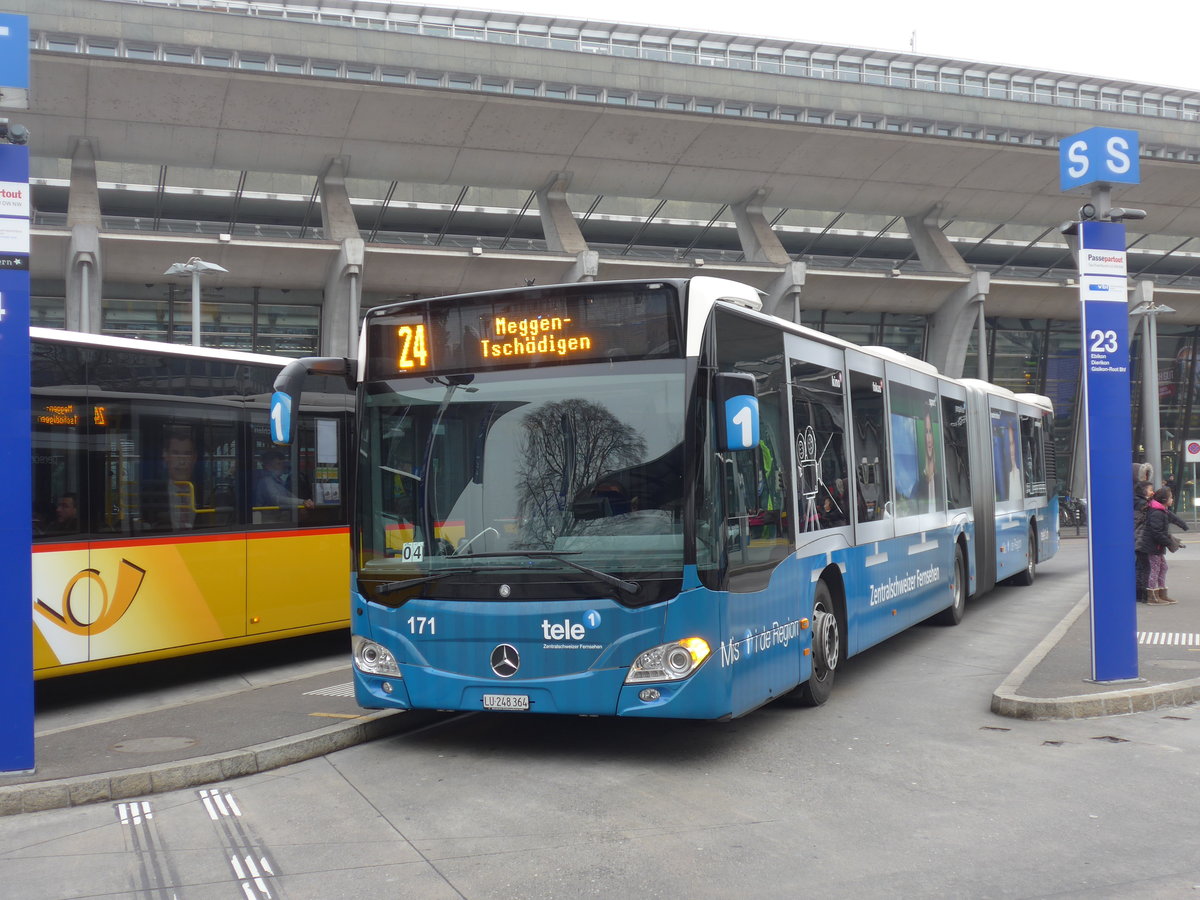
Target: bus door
(757,496)
(918,476)
(957,458)
(62,586)
(817,377)
(1038,483)
(1008,483)
(873,505)
(297,547)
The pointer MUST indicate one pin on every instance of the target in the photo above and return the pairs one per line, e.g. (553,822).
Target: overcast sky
(1155,41)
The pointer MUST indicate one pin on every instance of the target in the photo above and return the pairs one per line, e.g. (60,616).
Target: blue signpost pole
(16,504)
(16,637)
(1100,157)
(1105,335)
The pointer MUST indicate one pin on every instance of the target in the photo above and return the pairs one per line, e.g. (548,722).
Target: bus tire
(958,589)
(1025,576)
(828,649)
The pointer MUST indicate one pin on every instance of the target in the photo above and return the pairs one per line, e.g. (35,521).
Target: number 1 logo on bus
(281,417)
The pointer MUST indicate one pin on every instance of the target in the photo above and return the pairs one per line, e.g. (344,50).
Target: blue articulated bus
(648,498)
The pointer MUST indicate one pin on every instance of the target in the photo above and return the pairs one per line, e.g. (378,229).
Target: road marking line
(337,690)
(1168,638)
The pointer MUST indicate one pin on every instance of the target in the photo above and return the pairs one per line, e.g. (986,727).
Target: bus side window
(59,455)
(1033,458)
(818,417)
(958,469)
(916,450)
(1006,457)
(873,486)
(758,482)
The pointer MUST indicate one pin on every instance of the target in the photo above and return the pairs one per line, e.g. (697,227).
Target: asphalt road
(903,785)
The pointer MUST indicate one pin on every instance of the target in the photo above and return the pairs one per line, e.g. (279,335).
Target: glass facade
(272,321)
(1042,356)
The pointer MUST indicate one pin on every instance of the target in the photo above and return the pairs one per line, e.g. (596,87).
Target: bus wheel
(958,590)
(827,649)
(1025,576)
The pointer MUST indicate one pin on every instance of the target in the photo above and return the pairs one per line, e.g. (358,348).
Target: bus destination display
(524,330)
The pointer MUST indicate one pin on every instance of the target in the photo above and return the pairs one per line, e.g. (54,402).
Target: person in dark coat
(1142,492)
(1172,519)
(1153,539)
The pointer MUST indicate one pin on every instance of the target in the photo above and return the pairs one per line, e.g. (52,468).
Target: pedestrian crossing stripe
(1168,639)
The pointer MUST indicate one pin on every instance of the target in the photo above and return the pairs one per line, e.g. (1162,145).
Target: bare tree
(567,445)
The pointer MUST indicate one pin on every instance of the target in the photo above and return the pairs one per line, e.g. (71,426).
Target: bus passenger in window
(66,515)
(171,504)
(271,488)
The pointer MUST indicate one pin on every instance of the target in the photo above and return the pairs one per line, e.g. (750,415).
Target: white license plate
(505,701)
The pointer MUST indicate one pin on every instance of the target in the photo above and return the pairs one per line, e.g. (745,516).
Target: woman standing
(1153,538)
(1142,492)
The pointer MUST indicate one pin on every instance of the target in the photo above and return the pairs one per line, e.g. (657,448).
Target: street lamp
(194,267)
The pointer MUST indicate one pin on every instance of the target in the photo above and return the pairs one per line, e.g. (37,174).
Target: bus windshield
(523,473)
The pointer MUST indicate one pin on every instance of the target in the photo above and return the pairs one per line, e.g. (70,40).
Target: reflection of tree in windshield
(567,444)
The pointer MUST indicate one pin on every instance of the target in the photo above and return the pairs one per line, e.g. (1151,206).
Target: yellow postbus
(164,521)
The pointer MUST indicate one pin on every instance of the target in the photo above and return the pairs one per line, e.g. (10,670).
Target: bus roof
(60,336)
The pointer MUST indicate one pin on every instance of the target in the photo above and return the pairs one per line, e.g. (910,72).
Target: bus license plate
(505,701)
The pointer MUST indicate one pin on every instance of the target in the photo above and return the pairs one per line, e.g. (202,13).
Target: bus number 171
(422,625)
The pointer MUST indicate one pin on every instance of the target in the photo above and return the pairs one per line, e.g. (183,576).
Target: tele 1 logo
(566,630)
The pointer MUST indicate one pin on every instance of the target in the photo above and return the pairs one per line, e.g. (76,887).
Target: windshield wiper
(629,587)
(390,587)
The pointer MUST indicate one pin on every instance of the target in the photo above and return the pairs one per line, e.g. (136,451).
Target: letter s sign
(1077,160)
(1118,155)
(1098,155)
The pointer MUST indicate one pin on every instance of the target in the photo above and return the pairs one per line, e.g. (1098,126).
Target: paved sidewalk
(1052,681)
(193,742)
(248,728)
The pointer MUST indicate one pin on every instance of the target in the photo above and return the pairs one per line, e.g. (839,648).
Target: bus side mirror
(736,412)
(285,401)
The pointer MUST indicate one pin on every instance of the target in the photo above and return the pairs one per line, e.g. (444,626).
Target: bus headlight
(669,662)
(373,658)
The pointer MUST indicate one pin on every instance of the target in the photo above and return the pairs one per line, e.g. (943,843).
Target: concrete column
(759,242)
(558,225)
(951,326)
(933,248)
(783,297)
(84,275)
(343,282)
(586,268)
(340,312)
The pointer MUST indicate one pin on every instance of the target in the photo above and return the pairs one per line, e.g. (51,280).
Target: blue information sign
(1105,323)
(1108,155)
(16,503)
(14,61)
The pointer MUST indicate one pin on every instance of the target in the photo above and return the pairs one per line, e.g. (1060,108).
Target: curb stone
(126,783)
(1008,701)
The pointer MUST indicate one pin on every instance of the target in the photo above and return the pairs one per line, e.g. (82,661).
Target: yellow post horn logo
(129,582)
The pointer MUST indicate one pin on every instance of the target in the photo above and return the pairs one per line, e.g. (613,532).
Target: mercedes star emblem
(505,660)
